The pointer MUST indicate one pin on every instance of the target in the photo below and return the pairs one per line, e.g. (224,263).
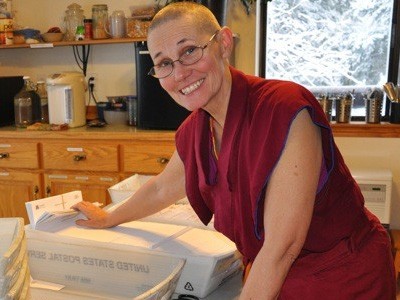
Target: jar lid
(99,7)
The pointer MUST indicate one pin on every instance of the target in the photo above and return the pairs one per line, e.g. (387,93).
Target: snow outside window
(330,46)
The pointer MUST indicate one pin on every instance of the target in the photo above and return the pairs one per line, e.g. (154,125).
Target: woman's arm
(289,202)
(158,193)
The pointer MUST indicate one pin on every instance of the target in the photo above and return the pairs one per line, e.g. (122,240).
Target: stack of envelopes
(14,268)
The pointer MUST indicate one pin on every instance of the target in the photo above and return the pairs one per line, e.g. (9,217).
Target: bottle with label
(23,105)
(44,104)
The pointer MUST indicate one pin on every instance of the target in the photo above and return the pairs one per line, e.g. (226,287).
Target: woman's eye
(164,64)
(189,51)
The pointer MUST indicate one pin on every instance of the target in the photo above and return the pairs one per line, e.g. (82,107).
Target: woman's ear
(226,41)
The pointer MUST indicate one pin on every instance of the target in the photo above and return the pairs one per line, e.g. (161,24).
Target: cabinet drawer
(18,155)
(81,156)
(148,157)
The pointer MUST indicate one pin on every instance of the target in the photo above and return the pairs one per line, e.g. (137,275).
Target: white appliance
(66,96)
(376,187)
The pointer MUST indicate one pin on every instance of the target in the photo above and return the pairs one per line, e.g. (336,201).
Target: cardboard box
(210,257)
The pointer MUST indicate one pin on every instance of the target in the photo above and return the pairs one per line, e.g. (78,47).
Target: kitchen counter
(109,132)
(352,129)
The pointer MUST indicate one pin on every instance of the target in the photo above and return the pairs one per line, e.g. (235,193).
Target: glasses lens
(161,71)
(192,56)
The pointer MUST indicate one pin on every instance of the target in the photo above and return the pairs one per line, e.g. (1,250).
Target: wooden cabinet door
(147,157)
(94,188)
(16,188)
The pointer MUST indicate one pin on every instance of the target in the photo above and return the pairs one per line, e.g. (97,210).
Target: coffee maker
(66,95)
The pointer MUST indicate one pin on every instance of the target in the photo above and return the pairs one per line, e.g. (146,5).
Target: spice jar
(88,29)
(99,21)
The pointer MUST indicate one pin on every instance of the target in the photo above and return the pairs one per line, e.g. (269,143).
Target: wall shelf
(74,43)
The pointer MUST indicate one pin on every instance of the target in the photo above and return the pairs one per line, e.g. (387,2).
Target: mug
(117,24)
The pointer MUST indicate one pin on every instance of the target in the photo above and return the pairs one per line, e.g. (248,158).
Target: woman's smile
(194,86)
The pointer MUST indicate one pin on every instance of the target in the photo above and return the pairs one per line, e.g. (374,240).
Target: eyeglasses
(191,56)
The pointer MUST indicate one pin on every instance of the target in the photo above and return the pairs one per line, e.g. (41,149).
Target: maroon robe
(346,254)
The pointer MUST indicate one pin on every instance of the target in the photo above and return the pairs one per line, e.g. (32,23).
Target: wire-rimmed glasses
(191,56)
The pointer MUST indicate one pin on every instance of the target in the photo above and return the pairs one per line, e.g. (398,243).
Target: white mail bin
(94,271)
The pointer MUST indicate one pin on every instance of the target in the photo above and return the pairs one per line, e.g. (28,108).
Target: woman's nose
(181,71)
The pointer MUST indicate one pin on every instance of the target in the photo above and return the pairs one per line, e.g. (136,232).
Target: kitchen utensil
(326,104)
(390,91)
(373,105)
(343,108)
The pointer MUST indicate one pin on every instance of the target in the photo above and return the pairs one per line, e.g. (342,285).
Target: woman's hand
(96,217)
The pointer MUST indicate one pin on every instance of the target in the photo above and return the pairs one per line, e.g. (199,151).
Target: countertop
(109,132)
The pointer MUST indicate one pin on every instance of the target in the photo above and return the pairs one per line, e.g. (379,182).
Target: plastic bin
(93,271)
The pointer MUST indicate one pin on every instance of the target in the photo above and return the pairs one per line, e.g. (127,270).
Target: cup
(117,27)
(394,112)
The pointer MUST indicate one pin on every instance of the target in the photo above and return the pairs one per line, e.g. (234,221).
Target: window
(330,46)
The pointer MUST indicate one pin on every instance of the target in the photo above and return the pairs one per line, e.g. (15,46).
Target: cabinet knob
(35,192)
(48,191)
(162,160)
(79,157)
(4,155)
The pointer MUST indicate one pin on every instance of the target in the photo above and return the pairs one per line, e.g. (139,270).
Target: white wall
(376,153)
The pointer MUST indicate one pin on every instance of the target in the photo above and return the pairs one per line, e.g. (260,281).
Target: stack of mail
(14,269)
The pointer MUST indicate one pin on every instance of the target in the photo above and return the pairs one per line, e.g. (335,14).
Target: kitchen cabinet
(93,187)
(19,178)
(148,156)
(37,164)
(16,188)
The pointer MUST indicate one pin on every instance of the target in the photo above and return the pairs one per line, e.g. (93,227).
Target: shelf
(361,129)
(74,43)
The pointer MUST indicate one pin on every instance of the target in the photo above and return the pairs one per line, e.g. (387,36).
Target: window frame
(394,50)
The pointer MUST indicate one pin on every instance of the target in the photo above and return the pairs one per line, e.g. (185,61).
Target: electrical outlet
(91,77)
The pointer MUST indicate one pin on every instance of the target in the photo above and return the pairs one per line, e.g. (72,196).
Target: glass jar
(100,21)
(44,103)
(23,105)
(73,18)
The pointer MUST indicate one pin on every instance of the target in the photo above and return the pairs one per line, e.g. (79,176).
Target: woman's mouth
(192,87)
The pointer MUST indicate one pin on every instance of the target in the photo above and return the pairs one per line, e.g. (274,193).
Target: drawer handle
(35,192)
(79,157)
(4,155)
(162,160)
(48,191)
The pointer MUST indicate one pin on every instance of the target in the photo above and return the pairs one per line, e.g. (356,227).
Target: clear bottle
(44,103)
(23,105)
